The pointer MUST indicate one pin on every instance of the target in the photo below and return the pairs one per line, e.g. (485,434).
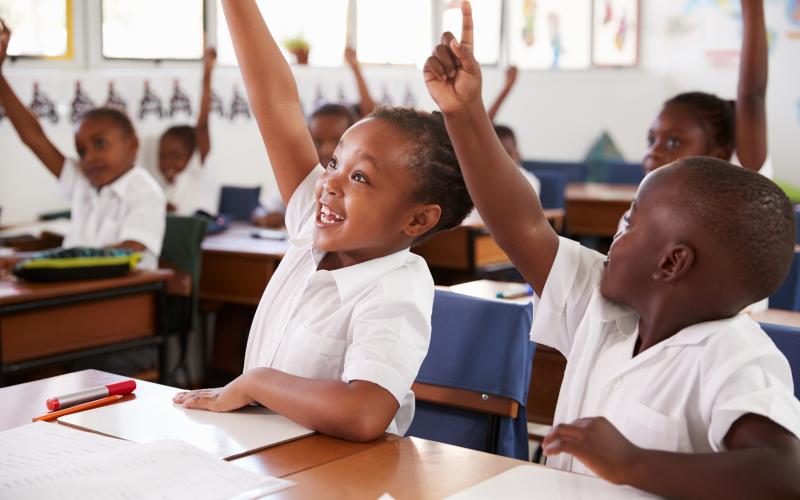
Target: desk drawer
(236,279)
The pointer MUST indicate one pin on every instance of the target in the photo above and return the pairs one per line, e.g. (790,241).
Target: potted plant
(298,46)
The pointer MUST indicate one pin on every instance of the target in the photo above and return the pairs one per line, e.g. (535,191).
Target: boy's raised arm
(26,125)
(751,95)
(203,137)
(511,78)
(366,103)
(506,201)
(273,96)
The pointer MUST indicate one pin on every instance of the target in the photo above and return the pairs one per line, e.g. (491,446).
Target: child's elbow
(366,428)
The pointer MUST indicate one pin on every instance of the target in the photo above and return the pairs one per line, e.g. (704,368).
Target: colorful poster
(550,34)
(615,33)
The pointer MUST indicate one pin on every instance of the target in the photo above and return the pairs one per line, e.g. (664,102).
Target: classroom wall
(557,115)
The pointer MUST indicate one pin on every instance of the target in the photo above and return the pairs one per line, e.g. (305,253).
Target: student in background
(667,388)
(114,203)
(366,103)
(344,323)
(183,157)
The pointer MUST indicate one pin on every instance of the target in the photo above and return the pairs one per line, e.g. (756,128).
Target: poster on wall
(615,33)
(550,34)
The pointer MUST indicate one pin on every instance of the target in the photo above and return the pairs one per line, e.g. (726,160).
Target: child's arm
(273,96)
(331,407)
(511,78)
(505,199)
(203,137)
(762,460)
(366,104)
(751,96)
(26,125)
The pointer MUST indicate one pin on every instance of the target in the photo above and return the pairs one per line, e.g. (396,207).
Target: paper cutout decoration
(386,99)
(216,104)
(150,103)
(554,22)
(115,100)
(42,106)
(409,100)
(239,105)
(179,102)
(341,97)
(319,98)
(81,103)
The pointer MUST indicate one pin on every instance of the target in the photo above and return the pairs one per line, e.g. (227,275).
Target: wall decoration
(179,102)
(42,106)
(150,103)
(409,99)
(550,34)
(386,99)
(319,98)
(615,33)
(81,103)
(216,104)
(115,100)
(239,105)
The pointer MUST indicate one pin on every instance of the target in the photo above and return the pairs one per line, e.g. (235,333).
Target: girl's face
(674,134)
(365,203)
(106,151)
(173,156)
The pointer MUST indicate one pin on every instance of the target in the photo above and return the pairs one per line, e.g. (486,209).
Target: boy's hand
(209,59)
(221,399)
(511,76)
(350,57)
(452,74)
(5,38)
(598,444)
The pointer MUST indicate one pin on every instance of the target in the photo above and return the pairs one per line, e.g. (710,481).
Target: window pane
(322,23)
(39,27)
(487,15)
(391,32)
(550,33)
(152,29)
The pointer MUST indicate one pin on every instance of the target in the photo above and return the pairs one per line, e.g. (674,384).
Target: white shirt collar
(120,185)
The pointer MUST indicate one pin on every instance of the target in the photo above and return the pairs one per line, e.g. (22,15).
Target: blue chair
(620,172)
(797,223)
(473,385)
(787,339)
(787,296)
(573,171)
(238,202)
(553,184)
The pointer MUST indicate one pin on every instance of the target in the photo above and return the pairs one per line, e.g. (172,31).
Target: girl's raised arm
(751,95)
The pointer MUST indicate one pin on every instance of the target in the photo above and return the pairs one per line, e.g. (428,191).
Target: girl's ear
(423,220)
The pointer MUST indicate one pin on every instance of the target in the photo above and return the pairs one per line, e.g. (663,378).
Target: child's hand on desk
(598,444)
(221,399)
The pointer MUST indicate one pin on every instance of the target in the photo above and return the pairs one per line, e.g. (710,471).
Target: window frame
(73,22)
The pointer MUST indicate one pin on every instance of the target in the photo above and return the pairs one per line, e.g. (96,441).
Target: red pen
(121,388)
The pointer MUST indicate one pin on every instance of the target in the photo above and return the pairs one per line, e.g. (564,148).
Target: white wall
(557,115)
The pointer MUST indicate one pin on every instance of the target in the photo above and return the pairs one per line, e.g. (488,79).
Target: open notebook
(44,460)
(223,435)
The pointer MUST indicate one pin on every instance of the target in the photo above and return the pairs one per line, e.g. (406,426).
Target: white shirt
(193,189)
(370,321)
(130,208)
(680,395)
(474,217)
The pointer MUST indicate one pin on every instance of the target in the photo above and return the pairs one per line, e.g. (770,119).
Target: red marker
(121,388)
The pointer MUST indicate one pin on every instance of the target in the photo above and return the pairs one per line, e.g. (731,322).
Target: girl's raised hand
(452,74)
(5,38)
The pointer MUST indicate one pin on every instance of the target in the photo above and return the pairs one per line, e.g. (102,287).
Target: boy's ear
(133,144)
(675,263)
(422,220)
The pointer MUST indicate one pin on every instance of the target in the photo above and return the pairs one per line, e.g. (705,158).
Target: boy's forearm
(751,121)
(203,135)
(366,104)
(501,97)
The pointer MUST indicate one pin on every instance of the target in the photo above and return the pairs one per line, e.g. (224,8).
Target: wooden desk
(594,209)
(778,317)
(48,323)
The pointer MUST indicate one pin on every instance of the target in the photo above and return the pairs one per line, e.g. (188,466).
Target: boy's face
(365,197)
(673,135)
(326,130)
(173,156)
(105,150)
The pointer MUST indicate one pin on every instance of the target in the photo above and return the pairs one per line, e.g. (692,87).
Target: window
(322,23)
(488,14)
(391,32)
(152,29)
(550,34)
(41,28)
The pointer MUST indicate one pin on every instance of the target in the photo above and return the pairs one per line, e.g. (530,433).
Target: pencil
(76,409)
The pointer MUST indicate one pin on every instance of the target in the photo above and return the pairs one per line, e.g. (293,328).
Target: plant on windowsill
(298,46)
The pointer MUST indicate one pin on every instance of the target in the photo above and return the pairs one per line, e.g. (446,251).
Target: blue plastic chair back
(797,223)
(481,346)
(574,172)
(552,185)
(787,296)
(620,172)
(238,202)
(787,339)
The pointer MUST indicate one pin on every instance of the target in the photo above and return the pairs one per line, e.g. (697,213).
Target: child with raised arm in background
(113,202)
(667,388)
(344,323)
(183,152)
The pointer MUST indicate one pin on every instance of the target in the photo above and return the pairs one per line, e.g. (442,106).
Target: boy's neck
(338,260)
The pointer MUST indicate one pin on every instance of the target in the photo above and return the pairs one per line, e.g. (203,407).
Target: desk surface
(778,316)
(238,240)
(14,291)
(595,191)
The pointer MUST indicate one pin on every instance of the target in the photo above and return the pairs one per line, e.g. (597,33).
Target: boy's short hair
(433,159)
(332,109)
(504,131)
(115,116)
(746,213)
(184,133)
(717,116)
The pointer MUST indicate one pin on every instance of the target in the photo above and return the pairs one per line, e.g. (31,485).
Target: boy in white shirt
(113,202)
(667,388)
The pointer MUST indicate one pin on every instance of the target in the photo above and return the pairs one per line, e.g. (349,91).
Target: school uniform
(680,395)
(369,321)
(193,189)
(130,208)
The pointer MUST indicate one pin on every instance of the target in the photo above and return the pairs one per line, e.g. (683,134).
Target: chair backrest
(182,250)
(574,171)
(553,184)
(787,296)
(797,223)
(239,202)
(473,384)
(787,339)
(620,172)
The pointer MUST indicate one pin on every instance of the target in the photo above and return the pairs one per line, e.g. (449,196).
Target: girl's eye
(650,141)
(358,177)
(673,143)
(100,143)
(331,164)
(81,152)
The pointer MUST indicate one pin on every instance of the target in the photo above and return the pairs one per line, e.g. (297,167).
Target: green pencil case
(79,263)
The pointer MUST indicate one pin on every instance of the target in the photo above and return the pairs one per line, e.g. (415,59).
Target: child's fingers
(466,24)
(199,403)
(445,57)
(434,70)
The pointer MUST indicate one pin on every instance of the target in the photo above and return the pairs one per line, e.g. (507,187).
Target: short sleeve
(390,341)
(303,203)
(144,218)
(573,280)
(70,176)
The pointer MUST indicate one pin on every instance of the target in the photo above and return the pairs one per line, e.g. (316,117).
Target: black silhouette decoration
(150,103)
(81,103)
(216,104)
(179,102)
(239,105)
(115,100)
(42,106)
